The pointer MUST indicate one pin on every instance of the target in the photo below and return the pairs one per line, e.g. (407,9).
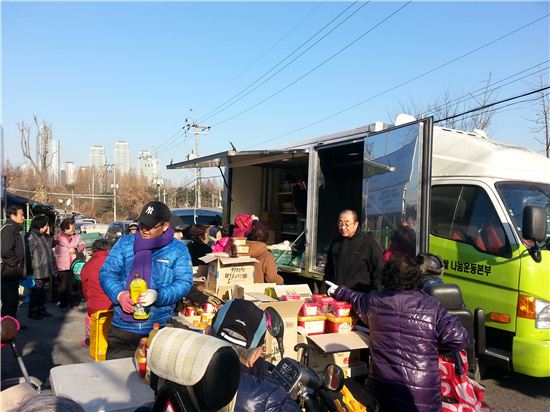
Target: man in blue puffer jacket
(165,265)
(407,329)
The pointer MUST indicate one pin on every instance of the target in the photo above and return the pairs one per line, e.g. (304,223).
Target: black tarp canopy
(36,208)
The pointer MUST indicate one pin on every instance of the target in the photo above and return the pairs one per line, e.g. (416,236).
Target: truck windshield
(517,195)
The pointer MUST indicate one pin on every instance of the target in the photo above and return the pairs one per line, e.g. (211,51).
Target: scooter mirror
(333,378)
(275,324)
(275,327)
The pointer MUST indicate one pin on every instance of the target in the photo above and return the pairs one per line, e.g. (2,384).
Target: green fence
(26,224)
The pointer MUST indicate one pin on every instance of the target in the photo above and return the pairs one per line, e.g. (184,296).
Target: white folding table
(112,385)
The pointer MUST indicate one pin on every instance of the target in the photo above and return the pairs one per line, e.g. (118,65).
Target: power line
(212,112)
(501,109)
(412,79)
(169,140)
(492,104)
(316,67)
(263,54)
(486,89)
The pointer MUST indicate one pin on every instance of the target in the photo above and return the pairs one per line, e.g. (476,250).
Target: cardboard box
(302,290)
(359,369)
(227,271)
(289,312)
(244,291)
(341,349)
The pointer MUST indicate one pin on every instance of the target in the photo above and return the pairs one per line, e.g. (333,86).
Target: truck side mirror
(534,223)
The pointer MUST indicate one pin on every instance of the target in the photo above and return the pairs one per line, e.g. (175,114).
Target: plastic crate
(100,323)
(282,257)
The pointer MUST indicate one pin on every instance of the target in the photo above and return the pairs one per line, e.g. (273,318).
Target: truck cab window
(466,214)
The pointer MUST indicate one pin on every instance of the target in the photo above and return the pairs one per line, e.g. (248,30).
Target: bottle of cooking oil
(152,334)
(137,287)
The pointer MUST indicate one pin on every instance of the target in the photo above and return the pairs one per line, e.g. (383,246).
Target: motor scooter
(191,372)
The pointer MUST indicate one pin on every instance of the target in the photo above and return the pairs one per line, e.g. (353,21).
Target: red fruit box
(341,309)
(309,309)
(313,325)
(338,325)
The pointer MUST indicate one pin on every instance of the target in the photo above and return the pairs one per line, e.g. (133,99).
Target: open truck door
(385,177)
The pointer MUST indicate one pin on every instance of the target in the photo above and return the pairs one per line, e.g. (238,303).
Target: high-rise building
(97,159)
(147,165)
(122,157)
(43,147)
(48,154)
(70,173)
(55,166)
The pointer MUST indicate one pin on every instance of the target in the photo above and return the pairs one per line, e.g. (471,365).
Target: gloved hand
(331,291)
(148,298)
(126,302)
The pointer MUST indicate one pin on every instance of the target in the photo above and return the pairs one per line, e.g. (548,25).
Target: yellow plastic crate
(100,322)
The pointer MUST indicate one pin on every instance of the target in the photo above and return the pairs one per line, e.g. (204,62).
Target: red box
(309,309)
(338,325)
(325,304)
(317,298)
(341,309)
(313,325)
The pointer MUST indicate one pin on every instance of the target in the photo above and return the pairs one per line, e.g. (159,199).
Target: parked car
(85,220)
(93,228)
(117,229)
(203,216)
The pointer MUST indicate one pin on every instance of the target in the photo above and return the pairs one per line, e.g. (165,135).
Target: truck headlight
(542,308)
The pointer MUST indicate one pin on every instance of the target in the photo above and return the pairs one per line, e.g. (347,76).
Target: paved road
(56,341)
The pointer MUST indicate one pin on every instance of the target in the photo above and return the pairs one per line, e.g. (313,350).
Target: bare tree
(447,106)
(42,160)
(542,120)
(13,174)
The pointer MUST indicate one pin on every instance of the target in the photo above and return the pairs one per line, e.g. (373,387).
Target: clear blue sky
(101,72)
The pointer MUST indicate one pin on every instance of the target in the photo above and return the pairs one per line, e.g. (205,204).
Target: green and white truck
(483,206)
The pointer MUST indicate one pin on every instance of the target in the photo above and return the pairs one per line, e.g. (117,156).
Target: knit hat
(240,322)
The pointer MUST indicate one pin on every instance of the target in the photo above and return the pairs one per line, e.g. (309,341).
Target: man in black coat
(354,259)
(13,260)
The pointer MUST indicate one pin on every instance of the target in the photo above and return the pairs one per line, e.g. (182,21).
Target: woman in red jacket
(96,299)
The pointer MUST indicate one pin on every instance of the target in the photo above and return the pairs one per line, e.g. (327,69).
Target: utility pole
(114,192)
(93,191)
(204,130)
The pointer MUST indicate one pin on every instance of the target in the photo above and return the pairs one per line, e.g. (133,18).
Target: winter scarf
(143,260)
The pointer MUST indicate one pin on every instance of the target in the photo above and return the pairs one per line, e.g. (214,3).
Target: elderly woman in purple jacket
(408,328)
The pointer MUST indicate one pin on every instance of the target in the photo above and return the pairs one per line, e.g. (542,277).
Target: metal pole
(93,191)
(164,195)
(198,171)
(114,193)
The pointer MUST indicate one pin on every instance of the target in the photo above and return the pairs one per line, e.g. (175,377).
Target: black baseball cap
(240,322)
(153,213)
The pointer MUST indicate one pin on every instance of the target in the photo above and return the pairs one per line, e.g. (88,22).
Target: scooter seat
(206,365)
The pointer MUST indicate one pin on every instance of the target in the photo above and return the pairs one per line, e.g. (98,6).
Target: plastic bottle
(137,287)
(152,334)
(141,357)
